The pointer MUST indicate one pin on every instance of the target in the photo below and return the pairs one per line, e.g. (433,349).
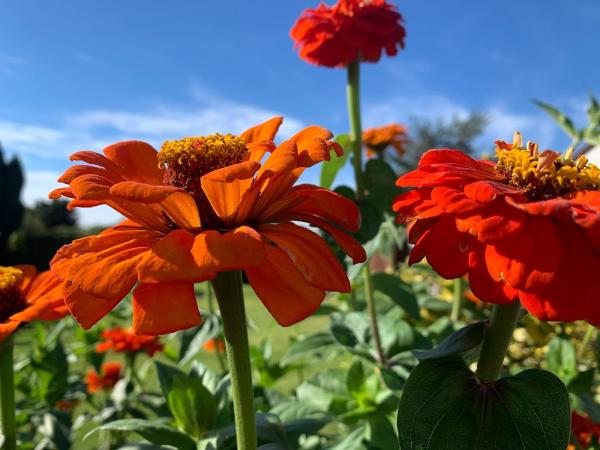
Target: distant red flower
(124,341)
(584,430)
(109,375)
(527,227)
(378,139)
(214,345)
(335,36)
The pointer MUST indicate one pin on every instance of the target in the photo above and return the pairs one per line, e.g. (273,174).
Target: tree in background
(458,133)
(46,227)
(11,208)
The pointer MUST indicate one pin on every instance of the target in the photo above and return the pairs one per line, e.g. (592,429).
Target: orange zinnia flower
(109,375)
(26,295)
(338,35)
(124,341)
(198,207)
(526,227)
(377,139)
(584,430)
(214,345)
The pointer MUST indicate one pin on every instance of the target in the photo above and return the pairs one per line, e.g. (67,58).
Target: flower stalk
(457,301)
(353,96)
(495,343)
(230,298)
(7,394)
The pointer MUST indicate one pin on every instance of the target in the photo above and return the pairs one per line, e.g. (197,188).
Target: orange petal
(91,187)
(164,308)
(283,289)
(177,204)
(257,150)
(226,187)
(8,328)
(87,309)
(351,246)
(97,160)
(138,160)
(266,131)
(45,286)
(29,274)
(171,261)
(326,205)
(234,250)
(311,255)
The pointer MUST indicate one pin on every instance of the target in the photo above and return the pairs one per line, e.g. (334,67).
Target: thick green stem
(457,302)
(230,297)
(211,309)
(7,394)
(372,313)
(353,96)
(495,343)
(586,340)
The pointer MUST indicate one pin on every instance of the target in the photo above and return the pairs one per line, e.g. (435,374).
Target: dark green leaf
(466,338)
(356,377)
(154,431)
(443,403)
(309,346)
(192,405)
(343,335)
(582,383)
(380,433)
(354,441)
(194,339)
(381,183)
(371,218)
(329,169)
(398,292)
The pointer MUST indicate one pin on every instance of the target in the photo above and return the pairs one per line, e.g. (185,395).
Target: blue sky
(77,75)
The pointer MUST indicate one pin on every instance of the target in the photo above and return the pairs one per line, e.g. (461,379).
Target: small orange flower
(526,227)
(214,345)
(338,35)
(110,374)
(198,207)
(584,430)
(124,341)
(26,295)
(378,139)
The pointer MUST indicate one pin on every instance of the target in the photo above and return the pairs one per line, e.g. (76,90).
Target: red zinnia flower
(338,35)
(201,206)
(377,139)
(109,375)
(526,227)
(584,430)
(26,295)
(124,341)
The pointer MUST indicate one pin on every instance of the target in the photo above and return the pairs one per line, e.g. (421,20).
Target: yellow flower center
(11,298)
(546,174)
(187,160)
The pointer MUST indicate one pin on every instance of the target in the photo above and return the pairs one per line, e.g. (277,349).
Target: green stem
(457,302)
(230,297)
(7,394)
(211,309)
(586,340)
(495,343)
(372,313)
(353,96)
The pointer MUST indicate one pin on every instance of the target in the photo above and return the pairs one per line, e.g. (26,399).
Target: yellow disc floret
(11,298)
(205,153)
(545,174)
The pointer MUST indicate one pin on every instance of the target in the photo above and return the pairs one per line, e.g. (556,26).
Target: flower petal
(87,309)
(164,308)
(137,159)
(283,289)
(266,131)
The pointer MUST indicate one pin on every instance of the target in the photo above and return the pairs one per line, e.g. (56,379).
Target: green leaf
(380,433)
(309,346)
(443,403)
(154,431)
(561,359)
(354,441)
(193,339)
(371,219)
(593,112)
(381,183)
(563,121)
(398,292)
(329,169)
(51,368)
(467,338)
(582,383)
(355,378)
(192,405)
